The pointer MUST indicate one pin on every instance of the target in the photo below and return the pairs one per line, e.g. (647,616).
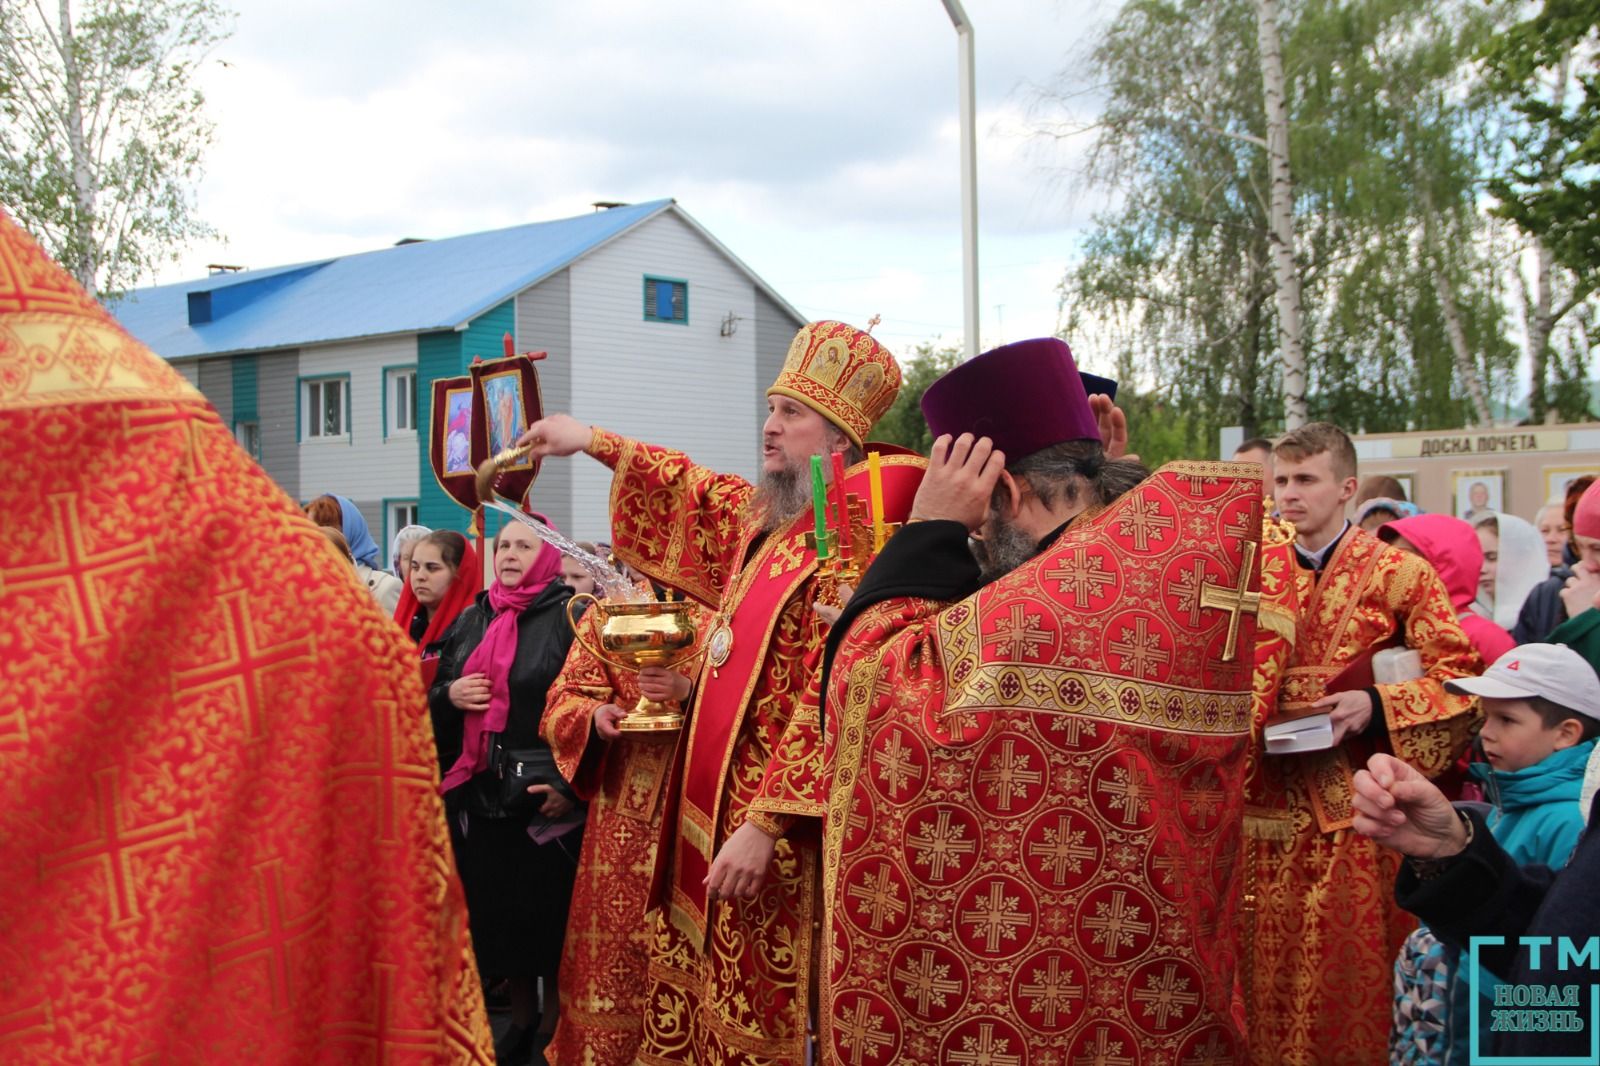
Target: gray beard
(779,499)
(1003,549)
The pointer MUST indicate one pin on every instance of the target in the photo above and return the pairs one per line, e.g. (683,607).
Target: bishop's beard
(779,499)
(1003,549)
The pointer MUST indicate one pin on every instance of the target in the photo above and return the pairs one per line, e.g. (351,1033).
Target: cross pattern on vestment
(1063,850)
(1007,774)
(1128,793)
(1241,527)
(1080,577)
(1206,795)
(380,1032)
(1189,589)
(594,935)
(878,897)
(1072,727)
(1104,1051)
(1168,862)
(896,768)
(278,935)
(1140,649)
(996,917)
(938,844)
(1196,483)
(926,981)
(244,663)
(117,846)
(387,769)
(1142,518)
(75,569)
(1165,997)
(1116,923)
(862,1033)
(1050,991)
(985,1049)
(787,555)
(1237,601)
(191,460)
(1018,635)
(1214,1053)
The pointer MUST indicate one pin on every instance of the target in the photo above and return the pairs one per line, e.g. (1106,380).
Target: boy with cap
(1541,707)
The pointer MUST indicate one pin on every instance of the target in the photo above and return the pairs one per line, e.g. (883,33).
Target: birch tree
(1280,214)
(103,129)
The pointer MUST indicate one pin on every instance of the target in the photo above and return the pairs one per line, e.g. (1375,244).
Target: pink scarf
(493,658)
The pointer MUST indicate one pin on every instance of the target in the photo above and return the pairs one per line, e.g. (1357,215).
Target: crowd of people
(1016,753)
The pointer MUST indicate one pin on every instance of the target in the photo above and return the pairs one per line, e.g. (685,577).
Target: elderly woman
(517,844)
(400,550)
(341,513)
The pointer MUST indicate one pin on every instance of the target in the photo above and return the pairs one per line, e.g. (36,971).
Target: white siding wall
(367,467)
(683,386)
(189,368)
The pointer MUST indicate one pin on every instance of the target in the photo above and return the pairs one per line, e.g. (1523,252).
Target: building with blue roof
(324,369)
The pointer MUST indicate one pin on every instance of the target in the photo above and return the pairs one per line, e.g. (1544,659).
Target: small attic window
(666,300)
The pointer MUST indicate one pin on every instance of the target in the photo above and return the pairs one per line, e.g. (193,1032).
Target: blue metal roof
(411,288)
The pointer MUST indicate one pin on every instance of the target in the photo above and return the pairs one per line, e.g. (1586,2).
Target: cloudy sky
(818,140)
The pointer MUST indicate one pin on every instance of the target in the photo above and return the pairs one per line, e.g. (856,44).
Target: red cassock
(222,840)
(1035,797)
(607,952)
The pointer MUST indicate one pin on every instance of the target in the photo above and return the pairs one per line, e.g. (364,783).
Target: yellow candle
(875,487)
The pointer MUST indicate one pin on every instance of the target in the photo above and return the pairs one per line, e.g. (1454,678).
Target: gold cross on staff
(1236,601)
(872,323)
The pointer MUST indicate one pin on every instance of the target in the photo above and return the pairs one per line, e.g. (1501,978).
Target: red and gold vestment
(223,840)
(607,950)
(731,981)
(1323,924)
(1035,798)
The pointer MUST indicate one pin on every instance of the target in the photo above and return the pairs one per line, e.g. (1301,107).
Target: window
(402,513)
(248,434)
(666,300)
(325,408)
(400,401)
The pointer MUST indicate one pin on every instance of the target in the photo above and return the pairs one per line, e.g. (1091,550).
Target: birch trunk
(1280,215)
(84,187)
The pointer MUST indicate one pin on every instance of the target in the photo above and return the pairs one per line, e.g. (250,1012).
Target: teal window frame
(389,528)
(383,378)
(652,279)
(254,453)
(300,384)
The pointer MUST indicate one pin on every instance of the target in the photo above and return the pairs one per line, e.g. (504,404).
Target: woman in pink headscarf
(516,824)
(1451,546)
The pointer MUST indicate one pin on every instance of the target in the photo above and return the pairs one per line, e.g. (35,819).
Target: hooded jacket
(1451,546)
(1535,814)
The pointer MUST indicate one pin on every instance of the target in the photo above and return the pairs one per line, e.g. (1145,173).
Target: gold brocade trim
(1122,700)
(1277,620)
(54,359)
(1276,826)
(693,833)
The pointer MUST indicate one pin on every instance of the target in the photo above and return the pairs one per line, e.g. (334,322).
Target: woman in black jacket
(516,844)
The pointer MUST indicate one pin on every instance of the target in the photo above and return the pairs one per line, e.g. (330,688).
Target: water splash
(618,589)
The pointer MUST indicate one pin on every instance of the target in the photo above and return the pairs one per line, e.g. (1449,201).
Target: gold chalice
(636,635)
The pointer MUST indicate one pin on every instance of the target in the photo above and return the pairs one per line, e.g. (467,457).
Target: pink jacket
(1451,545)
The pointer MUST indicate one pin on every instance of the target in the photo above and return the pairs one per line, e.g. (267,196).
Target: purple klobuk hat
(1024,397)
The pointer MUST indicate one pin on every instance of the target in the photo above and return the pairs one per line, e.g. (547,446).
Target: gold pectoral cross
(1236,601)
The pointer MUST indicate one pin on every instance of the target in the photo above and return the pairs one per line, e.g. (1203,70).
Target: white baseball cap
(1553,671)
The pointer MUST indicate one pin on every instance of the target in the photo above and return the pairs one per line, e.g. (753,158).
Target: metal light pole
(969,172)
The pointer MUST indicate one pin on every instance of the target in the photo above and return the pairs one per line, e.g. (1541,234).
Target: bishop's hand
(740,868)
(1113,427)
(557,435)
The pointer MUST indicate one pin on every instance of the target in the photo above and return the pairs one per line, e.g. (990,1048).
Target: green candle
(819,505)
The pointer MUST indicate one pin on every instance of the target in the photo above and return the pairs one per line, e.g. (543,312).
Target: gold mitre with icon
(842,373)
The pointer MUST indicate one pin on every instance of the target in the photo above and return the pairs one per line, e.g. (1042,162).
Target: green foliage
(102,129)
(903,423)
(1175,283)
(1542,70)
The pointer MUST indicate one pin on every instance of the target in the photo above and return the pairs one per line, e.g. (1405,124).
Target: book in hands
(1311,732)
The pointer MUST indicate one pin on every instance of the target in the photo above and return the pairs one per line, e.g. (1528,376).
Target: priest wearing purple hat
(1038,708)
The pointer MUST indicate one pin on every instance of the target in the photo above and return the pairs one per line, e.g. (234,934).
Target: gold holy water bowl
(636,635)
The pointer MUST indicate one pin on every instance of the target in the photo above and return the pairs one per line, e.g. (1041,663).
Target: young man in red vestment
(1036,758)
(221,838)
(1324,928)
(733,950)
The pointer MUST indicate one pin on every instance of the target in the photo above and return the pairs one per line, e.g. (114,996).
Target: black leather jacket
(543,638)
